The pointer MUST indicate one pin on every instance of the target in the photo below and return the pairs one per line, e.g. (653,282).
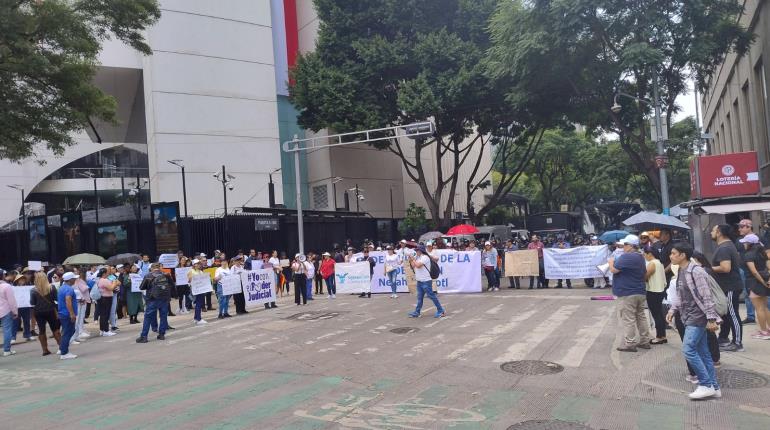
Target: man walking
(421,265)
(725,265)
(628,285)
(68,313)
(158,287)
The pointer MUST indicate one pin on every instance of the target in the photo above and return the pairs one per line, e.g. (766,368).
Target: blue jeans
(67,330)
(331,285)
(696,351)
(23,319)
(151,309)
(492,281)
(113,311)
(198,305)
(309,284)
(224,301)
(8,330)
(392,280)
(423,288)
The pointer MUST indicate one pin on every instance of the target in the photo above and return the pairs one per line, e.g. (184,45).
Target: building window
(748,129)
(321,197)
(761,96)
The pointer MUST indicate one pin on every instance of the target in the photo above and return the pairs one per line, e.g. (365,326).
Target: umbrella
(430,236)
(84,260)
(613,236)
(654,221)
(462,229)
(123,259)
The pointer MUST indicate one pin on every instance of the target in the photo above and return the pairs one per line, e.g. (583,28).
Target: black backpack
(160,288)
(435,271)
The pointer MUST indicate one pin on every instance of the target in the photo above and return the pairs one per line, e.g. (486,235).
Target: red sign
(724,175)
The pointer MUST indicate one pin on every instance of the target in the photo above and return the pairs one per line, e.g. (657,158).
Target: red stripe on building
(292,31)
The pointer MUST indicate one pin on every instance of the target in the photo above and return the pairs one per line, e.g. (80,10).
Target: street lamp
(616,108)
(335,180)
(227,184)
(359,196)
(271,188)
(18,187)
(180,164)
(90,175)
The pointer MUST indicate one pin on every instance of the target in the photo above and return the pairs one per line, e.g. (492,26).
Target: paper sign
(352,277)
(231,284)
(285,263)
(181,275)
(258,286)
(522,263)
(136,282)
(168,261)
(574,263)
(35,266)
(22,295)
(200,284)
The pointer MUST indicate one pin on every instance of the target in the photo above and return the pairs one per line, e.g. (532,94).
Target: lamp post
(359,196)
(271,189)
(180,164)
(661,155)
(227,184)
(23,212)
(90,175)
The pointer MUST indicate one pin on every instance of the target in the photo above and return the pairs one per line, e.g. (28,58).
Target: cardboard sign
(181,275)
(200,284)
(136,282)
(522,263)
(168,261)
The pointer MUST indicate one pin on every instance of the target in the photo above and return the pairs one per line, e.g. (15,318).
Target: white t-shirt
(422,274)
(275,262)
(310,269)
(236,270)
(393,260)
(221,272)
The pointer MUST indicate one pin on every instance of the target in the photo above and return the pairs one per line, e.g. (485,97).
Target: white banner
(380,283)
(574,263)
(200,284)
(460,271)
(258,286)
(231,284)
(352,277)
(22,293)
(181,275)
(136,282)
(35,266)
(168,261)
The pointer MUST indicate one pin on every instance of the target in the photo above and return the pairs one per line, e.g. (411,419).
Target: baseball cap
(644,233)
(487,243)
(631,239)
(196,261)
(403,240)
(69,276)
(119,266)
(750,238)
(326,254)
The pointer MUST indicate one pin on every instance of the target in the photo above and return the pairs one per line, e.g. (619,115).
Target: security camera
(231,187)
(616,108)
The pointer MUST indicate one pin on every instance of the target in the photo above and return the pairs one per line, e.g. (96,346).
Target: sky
(687,103)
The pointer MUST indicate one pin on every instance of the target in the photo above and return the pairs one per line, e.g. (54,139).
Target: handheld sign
(168,261)
(21,293)
(136,282)
(200,284)
(231,284)
(181,275)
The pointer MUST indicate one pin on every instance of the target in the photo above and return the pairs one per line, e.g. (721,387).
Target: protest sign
(200,284)
(231,284)
(574,263)
(35,266)
(258,286)
(136,282)
(522,263)
(460,271)
(181,275)
(285,262)
(21,293)
(168,261)
(352,277)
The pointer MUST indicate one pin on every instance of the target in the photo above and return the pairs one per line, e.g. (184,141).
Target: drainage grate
(531,367)
(405,330)
(740,379)
(313,316)
(548,425)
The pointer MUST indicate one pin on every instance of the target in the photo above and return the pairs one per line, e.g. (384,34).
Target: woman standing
(199,299)
(656,285)
(183,291)
(104,304)
(25,314)
(300,279)
(392,265)
(327,273)
(43,301)
(83,297)
(756,281)
(222,271)
(134,301)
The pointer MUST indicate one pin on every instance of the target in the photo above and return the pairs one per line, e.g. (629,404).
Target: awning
(736,207)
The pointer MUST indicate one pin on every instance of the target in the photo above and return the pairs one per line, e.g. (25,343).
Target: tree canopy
(48,57)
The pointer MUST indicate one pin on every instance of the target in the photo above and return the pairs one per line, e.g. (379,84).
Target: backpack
(717,295)
(435,271)
(160,288)
(96,294)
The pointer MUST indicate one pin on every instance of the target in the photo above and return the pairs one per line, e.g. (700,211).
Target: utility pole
(661,152)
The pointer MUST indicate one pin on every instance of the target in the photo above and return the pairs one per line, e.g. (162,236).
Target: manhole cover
(548,425)
(741,379)
(531,367)
(313,316)
(405,330)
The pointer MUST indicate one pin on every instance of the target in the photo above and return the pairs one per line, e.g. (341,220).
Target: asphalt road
(338,364)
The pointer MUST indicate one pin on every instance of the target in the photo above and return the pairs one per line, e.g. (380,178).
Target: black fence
(277,230)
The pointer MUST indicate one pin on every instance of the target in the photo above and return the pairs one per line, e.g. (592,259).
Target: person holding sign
(43,301)
(224,300)
(134,299)
(392,264)
(299,269)
(25,312)
(199,298)
(421,264)
(8,313)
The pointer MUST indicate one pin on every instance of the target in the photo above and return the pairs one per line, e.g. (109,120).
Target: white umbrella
(654,221)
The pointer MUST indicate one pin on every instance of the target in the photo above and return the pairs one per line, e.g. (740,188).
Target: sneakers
(200,322)
(414,315)
(439,314)
(645,345)
(748,321)
(627,348)
(691,379)
(717,393)
(141,339)
(68,356)
(107,333)
(58,352)
(732,347)
(702,393)
(329,296)
(7,353)
(74,342)
(84,335)
(334,296)
(762,335)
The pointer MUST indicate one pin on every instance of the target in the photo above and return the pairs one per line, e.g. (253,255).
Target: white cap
(403,240)
(202,255)
(119,266)
(594,238)
(631,239)
(196,261)
(487,243)
(69,276)
(750,238)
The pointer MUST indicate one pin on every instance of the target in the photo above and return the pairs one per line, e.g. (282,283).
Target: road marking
(470,322)
(487,339)
(584,339)
(447,317)
(491,407)
(495,310)
(542,331)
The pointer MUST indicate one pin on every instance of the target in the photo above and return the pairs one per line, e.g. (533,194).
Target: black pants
(541,281)
(732,321)
(240,303)
(208,301)
(300,288)
(569,283)
(88,310)
(655,304)
(710,336)
(514,282)
(182,291)
(319,285)
(105,305)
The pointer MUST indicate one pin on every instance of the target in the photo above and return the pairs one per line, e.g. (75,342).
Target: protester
(725,264)
(83,296)
(25,314)
(299,269)
(158,288)
(655,278)
(134,300)
(318,279)
(744,229)
(696,308)
(756,279)
(538,245)
(200,298)
(421,264)
(106,290)
(67,306)
(513,281)
(327,272)
(114,305)
(239,266)
(489,265)
(8,312)
(562,244)
(43,300)
(224,300)
(372,262)
(310,274)
(392,266)
(628,285)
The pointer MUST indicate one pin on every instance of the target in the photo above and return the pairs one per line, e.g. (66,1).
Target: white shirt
(236,270)
(310,269)
(422,274)
(221,272)
(393,260)
(275,262)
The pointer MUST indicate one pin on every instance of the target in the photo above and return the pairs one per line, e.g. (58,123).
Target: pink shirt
(539,246)
(85,294)
(7,300)
(105,287)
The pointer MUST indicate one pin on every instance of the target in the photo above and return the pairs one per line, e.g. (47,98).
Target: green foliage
(48,56)
(415,223)
(499,215)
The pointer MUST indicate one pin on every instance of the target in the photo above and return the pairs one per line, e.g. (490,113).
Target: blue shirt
(630,280)
(66,290)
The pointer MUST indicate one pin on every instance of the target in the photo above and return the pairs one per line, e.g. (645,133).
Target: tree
(48,55)
(414,223)
(389,63)
(580,52)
